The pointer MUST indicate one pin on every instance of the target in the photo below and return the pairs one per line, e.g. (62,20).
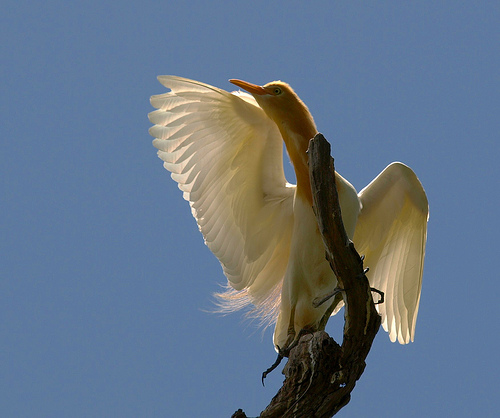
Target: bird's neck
(297,142)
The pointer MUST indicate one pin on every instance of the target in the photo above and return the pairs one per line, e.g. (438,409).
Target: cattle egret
(225,152)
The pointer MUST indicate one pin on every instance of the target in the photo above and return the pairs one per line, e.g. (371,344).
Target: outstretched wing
(391,233)
(226,155)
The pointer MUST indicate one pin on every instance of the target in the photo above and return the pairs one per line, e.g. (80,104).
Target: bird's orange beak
(251,88)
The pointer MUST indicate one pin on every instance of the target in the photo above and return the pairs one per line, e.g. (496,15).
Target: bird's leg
(273,366)
(317,302)
(331,308)
(290,335)
(282,353)
(289,344)
(291,341)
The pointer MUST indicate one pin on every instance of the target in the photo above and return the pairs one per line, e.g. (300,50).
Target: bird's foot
(381,300)
(273,366)
(291,343)
(382,297)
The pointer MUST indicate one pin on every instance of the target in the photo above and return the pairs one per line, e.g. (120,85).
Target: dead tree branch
(320,374)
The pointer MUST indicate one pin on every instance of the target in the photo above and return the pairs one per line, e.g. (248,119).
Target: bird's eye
(276,91)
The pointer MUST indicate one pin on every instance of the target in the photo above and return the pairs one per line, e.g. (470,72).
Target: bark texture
(320,374)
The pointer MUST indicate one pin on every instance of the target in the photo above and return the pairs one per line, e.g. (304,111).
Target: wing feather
(226,156)
(391,232)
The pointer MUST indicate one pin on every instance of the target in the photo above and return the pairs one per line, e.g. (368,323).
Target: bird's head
(283,106)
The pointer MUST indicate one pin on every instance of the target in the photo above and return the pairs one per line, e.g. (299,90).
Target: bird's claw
(382,298)
(285,352)
(273,366)
(361,275)
(366,270)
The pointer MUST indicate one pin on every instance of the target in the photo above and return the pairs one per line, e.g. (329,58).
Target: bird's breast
(308,273)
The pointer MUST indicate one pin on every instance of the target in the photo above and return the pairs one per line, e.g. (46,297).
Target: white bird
(225,152)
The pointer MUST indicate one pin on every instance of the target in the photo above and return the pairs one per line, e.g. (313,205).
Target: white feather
(391,233)
(226,155)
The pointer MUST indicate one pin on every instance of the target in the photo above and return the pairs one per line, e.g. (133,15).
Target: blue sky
(105,282)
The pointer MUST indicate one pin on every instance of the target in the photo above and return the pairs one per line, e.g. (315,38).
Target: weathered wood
(320,374)
(361,318)
(239,414)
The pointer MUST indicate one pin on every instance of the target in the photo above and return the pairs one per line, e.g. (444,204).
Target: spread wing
(226,156)
(391,232)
